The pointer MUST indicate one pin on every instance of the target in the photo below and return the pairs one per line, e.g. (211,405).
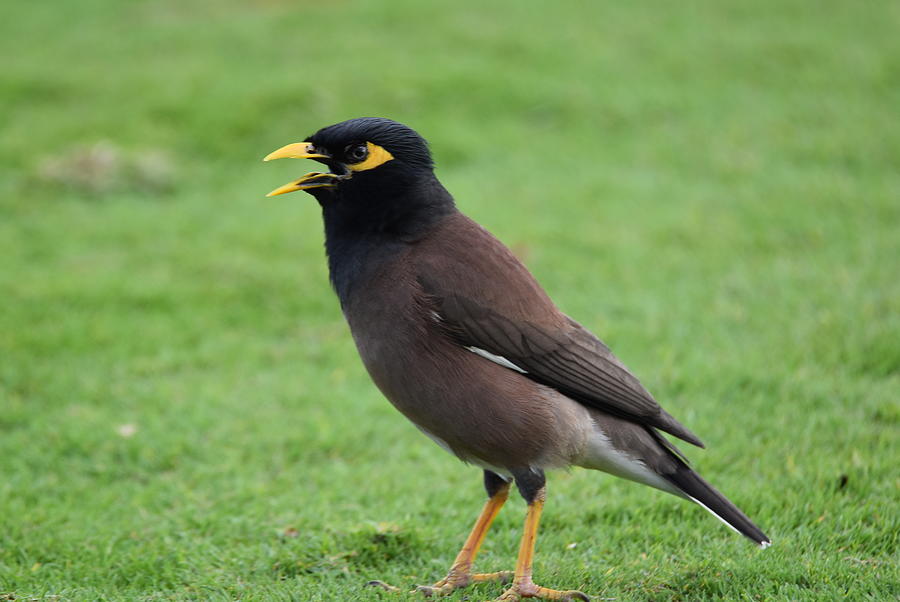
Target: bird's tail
(693,486)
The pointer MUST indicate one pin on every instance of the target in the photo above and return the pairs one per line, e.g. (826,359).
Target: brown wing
(513,317)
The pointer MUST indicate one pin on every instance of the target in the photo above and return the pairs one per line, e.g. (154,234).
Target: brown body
(479,410)
(428,377)
(459,336)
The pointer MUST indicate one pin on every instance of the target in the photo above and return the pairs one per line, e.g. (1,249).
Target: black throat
(369,222)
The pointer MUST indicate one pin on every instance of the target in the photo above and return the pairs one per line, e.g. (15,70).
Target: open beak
(303,150)
(313,179)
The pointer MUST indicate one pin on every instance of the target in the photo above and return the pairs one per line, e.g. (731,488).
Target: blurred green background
(713,187)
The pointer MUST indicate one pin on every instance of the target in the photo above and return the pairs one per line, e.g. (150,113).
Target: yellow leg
(460,574)
(523,586)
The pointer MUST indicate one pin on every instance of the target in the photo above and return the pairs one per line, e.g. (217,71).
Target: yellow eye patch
(377,156)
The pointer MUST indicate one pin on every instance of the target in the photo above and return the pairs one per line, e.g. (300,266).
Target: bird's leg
(531,486)
(460,574)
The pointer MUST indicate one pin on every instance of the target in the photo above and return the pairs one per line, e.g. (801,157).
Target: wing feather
(515,319)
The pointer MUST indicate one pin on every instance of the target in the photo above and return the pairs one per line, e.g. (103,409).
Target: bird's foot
(529,590)
(457,579)
(454,580)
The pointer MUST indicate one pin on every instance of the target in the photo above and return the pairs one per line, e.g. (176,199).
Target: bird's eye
(357,152)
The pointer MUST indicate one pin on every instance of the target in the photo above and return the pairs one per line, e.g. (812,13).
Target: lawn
(712,187)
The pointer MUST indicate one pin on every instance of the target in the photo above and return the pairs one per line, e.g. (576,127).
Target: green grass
(713,187)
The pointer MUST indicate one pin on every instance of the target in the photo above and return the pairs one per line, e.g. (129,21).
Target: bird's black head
(380,178)
(368,156)
(379,192)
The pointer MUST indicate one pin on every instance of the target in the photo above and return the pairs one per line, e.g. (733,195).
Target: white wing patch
(497,359)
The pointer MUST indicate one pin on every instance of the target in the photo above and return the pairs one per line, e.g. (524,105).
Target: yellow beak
(314,179)
(302,150)
(297,150)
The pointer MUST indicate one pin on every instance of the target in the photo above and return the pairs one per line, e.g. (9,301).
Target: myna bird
(460,337)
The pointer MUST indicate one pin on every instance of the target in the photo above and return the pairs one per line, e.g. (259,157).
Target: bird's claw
(441,588)
(385,586)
